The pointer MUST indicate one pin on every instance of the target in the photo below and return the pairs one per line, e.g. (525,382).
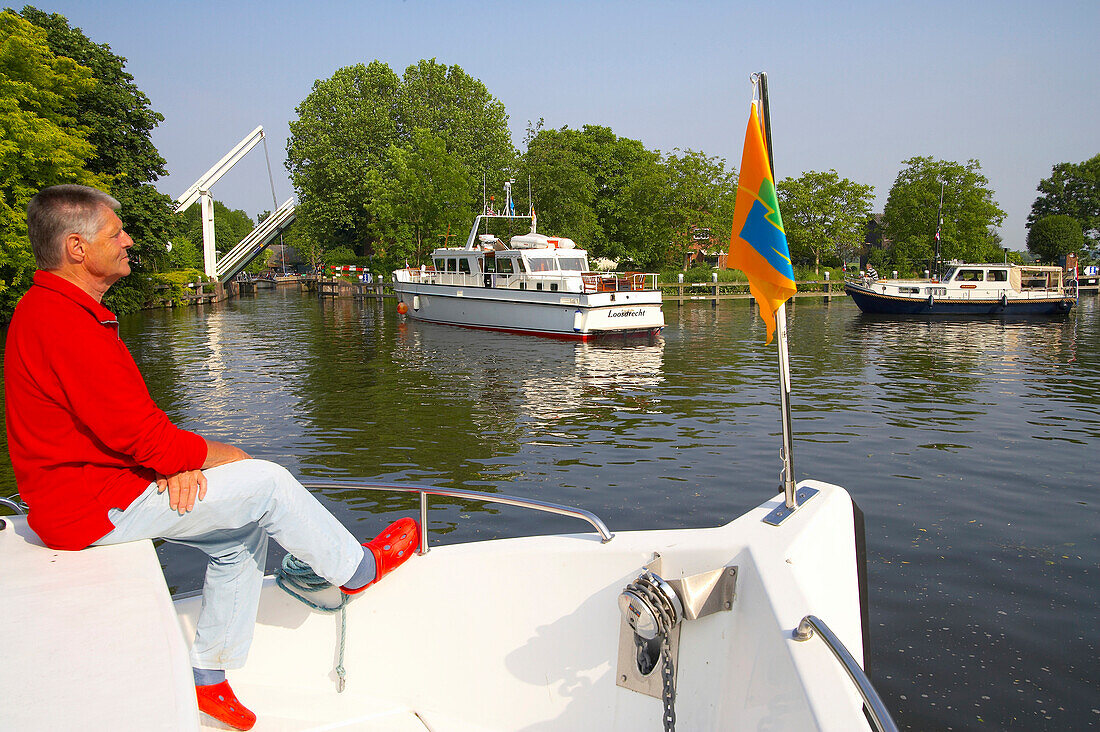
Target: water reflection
(534,379)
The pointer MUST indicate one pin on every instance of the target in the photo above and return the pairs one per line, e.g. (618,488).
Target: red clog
(219,701)
(391,549)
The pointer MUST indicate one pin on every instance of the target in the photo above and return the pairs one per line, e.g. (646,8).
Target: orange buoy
(402,308)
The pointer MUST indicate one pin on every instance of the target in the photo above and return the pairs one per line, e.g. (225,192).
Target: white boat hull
(569,315)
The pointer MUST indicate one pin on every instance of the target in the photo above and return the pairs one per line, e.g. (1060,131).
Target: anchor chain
(668,675)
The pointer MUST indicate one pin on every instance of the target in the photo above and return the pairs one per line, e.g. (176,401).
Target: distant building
(283,258)
(704,249)
(872,239)
(873,232)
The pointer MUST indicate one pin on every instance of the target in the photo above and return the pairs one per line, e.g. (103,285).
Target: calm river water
(969,446)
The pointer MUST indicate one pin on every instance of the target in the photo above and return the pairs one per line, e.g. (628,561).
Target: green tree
(119,123)
(1072,190)
(969,214)
(701,195)
(427,193)
(563,188)
(1054,236)
(41,143)
(609,193)
(340,147)
(824,215)
(632,199)
(335,152)
(459,109)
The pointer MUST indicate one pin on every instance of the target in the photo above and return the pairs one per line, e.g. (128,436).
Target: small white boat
(533,284)
(969,289)
(757,624)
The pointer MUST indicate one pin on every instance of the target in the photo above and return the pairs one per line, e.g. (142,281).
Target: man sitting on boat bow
(97,462)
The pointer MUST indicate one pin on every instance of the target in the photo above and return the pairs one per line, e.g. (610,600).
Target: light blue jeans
(246,502)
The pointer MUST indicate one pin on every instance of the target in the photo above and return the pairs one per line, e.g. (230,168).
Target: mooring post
(680,284)
(828,286)
(714,279)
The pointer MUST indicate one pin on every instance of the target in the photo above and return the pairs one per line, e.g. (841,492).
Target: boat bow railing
(14,505)
(425,491)
(876,710)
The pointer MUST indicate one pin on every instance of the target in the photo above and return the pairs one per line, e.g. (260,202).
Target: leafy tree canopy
(1052,237)
(118,122)
(116,112)
(824,215)
(341,148)
(41,143)
(701,196)
(620,200)
(969,214)
(426,194)
(1072,190)
(563,186)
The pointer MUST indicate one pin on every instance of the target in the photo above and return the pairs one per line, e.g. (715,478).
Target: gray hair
(58,211)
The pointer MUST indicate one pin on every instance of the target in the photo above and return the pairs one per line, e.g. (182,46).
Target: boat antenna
(531,205)
(939,225)
(760,82)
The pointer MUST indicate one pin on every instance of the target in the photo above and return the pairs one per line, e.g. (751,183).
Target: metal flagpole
(939,225)
(787,451)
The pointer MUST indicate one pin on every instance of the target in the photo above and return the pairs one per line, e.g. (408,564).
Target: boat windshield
(539,264)
(949,274)
(572,264)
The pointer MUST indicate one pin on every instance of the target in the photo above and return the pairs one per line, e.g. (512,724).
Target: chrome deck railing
(14,505)
(876,710)
(425,491)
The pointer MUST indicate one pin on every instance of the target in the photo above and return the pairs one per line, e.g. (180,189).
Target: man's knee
(265,482)
(249,482)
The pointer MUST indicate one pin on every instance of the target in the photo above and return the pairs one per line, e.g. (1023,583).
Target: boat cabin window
(452,264)
(572,264)
(489,264)
(540,264)
(997,275)
(464,266)
(969,275)
(439,264)
(504,266)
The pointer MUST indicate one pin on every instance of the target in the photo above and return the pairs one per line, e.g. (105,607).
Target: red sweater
(83,433)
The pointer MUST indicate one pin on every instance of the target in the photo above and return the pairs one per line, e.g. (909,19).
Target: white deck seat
(114,656)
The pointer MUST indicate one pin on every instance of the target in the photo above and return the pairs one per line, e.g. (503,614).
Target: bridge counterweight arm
(212,176)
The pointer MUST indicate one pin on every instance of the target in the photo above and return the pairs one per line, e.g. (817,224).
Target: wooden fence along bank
(679,292)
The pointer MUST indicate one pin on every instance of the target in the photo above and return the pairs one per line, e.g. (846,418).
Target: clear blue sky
(855,86)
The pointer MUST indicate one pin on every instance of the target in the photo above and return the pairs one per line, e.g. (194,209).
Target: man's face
(106,254)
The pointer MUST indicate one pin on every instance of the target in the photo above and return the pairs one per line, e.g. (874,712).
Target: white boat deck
(499,635)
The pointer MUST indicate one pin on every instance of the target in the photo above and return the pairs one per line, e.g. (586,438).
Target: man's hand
(184,489)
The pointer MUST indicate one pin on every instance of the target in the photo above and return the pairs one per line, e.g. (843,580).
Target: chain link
(668,674)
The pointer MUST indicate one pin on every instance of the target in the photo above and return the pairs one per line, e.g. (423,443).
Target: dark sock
(364,573)
(208,676)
